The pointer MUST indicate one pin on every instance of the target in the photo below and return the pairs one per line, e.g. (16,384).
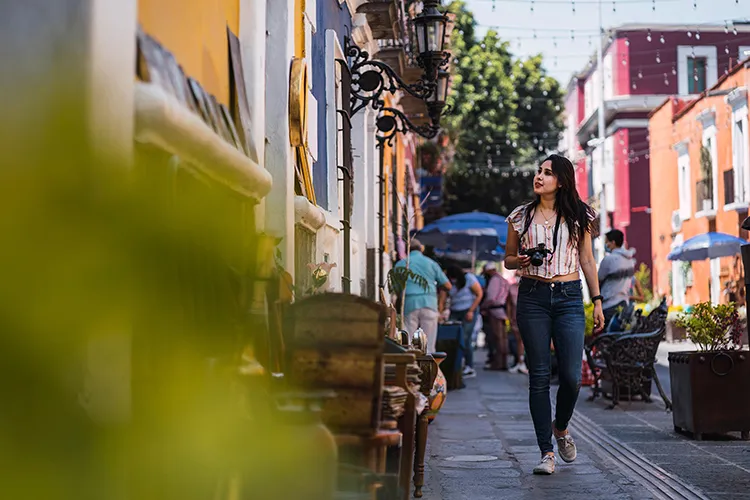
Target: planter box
(711,392)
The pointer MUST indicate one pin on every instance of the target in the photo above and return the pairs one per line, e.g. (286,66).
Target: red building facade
(642,66)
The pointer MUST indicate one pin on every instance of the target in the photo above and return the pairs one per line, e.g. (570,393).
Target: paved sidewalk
(482,446)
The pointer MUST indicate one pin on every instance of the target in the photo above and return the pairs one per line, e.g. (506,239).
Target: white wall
(279,157)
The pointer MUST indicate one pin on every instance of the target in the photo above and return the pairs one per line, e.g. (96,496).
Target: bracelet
(597,297)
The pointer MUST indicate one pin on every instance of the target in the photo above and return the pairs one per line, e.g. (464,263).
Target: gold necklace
(546,219)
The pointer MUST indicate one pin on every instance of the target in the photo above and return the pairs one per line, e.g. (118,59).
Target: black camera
(537,254)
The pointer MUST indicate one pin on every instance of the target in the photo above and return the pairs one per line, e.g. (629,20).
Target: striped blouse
(565,259)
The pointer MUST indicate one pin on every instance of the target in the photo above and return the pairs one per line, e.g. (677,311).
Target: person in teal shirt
(422,306)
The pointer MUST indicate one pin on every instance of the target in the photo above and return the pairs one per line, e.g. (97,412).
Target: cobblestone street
(482,446)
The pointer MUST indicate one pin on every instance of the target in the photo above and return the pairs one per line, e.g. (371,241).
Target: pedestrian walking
(549,240)
(616,276)
(515,334)
(422,305)
(465,294)
(493,309)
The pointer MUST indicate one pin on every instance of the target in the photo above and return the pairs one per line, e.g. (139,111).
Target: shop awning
(161,120)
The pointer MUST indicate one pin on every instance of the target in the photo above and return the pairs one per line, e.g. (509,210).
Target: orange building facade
(700,182)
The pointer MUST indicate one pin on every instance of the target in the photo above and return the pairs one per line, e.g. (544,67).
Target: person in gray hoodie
(616,273)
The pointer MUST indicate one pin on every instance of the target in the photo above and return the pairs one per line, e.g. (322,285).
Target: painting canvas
(238,102)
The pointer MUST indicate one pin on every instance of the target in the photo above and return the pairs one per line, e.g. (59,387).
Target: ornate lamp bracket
(370,79)
(392,121)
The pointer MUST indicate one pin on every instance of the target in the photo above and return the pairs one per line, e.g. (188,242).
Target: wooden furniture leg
(407,423)
(419,458)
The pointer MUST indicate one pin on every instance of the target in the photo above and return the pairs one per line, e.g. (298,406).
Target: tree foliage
(506,114)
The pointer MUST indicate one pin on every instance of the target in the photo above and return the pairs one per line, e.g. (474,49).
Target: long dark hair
(454,272)
(579,217)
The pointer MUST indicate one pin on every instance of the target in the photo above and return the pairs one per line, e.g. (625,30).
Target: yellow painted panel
(299,28)
(195,32)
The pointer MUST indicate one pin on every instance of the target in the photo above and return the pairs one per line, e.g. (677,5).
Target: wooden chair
(408,421)
(335,341)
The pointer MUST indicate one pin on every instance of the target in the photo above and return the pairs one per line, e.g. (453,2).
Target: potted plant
(710,385)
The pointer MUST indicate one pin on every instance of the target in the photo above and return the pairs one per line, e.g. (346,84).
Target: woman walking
(466,294)
(549,240)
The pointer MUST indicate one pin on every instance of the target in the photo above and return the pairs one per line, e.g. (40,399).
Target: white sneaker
(546,466)
(566,447)
(519,368)
(469,372)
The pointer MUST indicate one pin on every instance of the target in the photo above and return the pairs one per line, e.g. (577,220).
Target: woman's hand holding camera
(524,261)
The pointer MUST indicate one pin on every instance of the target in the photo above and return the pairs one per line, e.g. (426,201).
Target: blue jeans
(551,312)
(467,328)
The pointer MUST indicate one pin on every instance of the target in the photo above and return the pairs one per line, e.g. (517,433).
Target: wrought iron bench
(623,362)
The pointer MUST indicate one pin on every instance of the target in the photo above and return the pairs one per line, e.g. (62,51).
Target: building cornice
(737,97)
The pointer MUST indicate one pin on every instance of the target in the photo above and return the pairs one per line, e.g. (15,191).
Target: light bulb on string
(554,42)
(572,35)
(666,80)
(648,36)
(627,41)
(624,61)
(532,6)
(573,6)
(726,27)
(494,6)
(734,30)
(534,34)
(614,7)
(658,57)
(640,73)
(653,5)
(697,34)
(661,39)
(635,86)
(690,34)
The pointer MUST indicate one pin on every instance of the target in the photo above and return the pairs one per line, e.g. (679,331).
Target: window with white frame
(707,193)
(592,91)
(608,76)
(588,96)
(334,120)
(697,68)
(683,184)
(737,180)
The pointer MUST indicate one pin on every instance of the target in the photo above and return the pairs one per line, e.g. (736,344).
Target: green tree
(506,114)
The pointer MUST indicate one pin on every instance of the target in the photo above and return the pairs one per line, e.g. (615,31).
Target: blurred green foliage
(127,302)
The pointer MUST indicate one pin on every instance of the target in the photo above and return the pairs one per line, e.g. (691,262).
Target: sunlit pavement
(482,446)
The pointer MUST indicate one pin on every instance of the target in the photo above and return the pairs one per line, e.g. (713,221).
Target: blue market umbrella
(495,255)
(466,231)
(707,246)
(472,233)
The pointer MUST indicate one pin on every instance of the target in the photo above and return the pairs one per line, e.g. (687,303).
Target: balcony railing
(729,195)
(704,195)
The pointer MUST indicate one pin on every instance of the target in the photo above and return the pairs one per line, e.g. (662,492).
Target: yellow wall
(195,32)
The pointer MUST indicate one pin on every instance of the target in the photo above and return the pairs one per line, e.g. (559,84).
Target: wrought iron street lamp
(371,78)
(436,102)
(429,26)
